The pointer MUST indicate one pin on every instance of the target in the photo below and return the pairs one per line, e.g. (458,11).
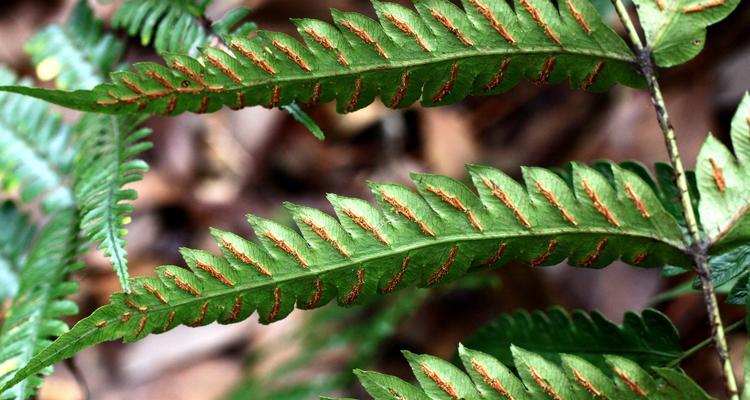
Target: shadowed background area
(211,170)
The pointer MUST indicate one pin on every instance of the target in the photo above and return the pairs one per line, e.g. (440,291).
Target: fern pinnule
(35,152)
(15,241)
(424,239)
(438,54)
(77,54)
(535,377)
(34,316)
(105,163)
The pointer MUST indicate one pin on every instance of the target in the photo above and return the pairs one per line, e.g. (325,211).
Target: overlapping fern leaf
(649,339)
(78,54)
(15,241)
(676,29)
(724,185)
(425,239)
(35,153)
(536,377)
(33,318)
(176,26)
(437,54)
(105,163)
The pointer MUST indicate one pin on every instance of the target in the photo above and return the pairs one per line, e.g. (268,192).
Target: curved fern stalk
(16,233)
(537,378)
(676,29)
(77,55)
(649,339)
(33,317)
(424,239)
(437,55)
(176,26)
(105,163)
(34,149)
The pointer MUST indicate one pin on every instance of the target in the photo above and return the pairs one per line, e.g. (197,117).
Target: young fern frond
(649,339)
(176,26)
(424,239)
(536,378)
(676,29)
(437,55)
(104,164)
(77,55)
(15,240)
(34,149)
(33,318)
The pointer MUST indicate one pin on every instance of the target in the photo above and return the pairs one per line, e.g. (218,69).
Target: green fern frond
(16,233)
(176,26)
(724,184)
(32,320)
(536,378)
(437,55)
(676,29)
(649,339)
(105,163)
(34,148)
(424,239)
(77,55)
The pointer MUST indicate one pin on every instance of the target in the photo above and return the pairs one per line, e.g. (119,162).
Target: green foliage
(33,317)
(724,184)
(676,29)
(104,164)
(15,241)
(34,149)
(438,55)
(535,378)
(78,55)
(176,26)
(648,339)
(424,239)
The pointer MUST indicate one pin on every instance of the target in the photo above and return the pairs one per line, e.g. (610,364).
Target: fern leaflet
(105,163)
(176,26)
(30,324)
(34,149)
(424,239)
(676,29)
(15,240)
(438,54)
(78,55)
(537,378)
(648,339)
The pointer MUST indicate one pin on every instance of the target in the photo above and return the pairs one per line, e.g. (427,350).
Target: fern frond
(16,233)
(724,184)
(425,239)
(34,148)
(176,26)
(437,55)
(537,378)
(77,55)
(105,163)
(33,319)
(676,29)
(648,339)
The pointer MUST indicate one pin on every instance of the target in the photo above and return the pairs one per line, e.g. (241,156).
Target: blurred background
(211,170)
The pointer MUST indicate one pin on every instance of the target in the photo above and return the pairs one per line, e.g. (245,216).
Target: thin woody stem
(698,248)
